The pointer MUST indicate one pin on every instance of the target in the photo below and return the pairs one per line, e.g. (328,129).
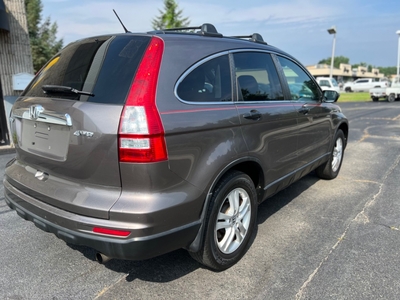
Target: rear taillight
(141,133)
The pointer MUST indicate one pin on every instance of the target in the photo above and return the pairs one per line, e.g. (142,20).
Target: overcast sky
(366,30)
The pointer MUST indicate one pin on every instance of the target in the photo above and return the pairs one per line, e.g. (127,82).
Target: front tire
(391,98)
(230,222)
(331,168)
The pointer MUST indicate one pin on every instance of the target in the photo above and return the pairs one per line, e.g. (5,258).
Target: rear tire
(230,222)
(375,99)
(347,89)
(331,168)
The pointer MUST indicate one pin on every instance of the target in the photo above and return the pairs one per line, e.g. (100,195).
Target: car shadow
(164,268)
(177,264)
(284,197)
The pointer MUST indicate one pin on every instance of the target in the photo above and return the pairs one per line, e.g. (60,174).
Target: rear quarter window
(103,66)
(207,82)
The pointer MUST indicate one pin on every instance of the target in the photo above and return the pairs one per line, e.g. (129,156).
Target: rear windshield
(103,67)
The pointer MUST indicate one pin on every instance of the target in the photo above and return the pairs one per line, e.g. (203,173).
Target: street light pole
(332,30)
(398,53)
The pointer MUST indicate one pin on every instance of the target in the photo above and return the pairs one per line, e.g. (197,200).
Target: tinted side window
(300,84)
(256,77)
(209,82)
(104,66)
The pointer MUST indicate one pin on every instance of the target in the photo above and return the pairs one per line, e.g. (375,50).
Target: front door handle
(304,110)
(253,115)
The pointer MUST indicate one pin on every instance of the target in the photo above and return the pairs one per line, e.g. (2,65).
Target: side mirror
(330,96)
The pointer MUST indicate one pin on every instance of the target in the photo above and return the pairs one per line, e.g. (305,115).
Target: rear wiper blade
(64,89)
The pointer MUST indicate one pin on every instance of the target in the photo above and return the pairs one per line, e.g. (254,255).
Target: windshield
(334,82)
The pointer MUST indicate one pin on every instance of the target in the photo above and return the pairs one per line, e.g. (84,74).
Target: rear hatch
(65,125)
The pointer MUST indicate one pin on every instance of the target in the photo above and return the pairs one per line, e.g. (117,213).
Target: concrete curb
(7,149)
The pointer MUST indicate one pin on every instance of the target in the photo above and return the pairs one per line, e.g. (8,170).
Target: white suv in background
(327,83)
(364,84)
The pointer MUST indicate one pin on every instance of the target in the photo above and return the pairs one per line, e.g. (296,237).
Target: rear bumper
(76,229)
(377,94)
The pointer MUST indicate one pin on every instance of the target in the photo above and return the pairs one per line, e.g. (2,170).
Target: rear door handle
(253,115)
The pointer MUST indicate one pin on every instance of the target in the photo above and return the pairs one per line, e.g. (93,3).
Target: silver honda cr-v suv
(140,144)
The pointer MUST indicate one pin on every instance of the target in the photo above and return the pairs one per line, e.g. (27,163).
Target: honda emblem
(35,111)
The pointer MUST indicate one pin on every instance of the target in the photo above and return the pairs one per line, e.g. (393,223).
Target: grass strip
(354,97)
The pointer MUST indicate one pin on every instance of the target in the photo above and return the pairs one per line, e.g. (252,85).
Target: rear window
(103,66)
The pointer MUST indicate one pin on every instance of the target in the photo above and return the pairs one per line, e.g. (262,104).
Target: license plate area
(44,139)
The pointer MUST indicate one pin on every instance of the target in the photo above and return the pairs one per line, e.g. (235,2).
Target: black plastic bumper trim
(131,249)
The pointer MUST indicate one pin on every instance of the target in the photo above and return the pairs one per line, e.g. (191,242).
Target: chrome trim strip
(39,114)
(183,76)
(227,52)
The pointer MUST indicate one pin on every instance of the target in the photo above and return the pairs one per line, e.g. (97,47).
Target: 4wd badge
(83,133)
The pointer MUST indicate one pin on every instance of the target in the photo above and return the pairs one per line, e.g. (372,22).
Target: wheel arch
(392,97)
(247,165)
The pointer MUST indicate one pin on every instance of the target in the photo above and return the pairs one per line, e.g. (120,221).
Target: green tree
(44,43)
(361,64)
(170,17)
(388,70)
(336,63)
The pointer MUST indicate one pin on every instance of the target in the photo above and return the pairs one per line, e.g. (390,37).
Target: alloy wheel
(233,221)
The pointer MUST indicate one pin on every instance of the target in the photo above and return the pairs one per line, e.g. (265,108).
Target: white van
(327,83)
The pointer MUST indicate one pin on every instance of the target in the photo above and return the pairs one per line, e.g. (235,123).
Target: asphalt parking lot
(317,239)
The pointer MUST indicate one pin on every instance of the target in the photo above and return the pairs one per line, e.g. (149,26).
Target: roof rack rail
(206,29)
(255,37)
